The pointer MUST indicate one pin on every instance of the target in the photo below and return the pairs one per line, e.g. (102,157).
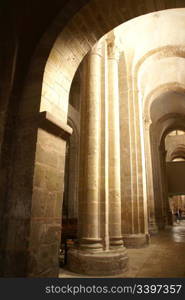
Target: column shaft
(114,149)
(89,226)
(150,187)
(91,257)
(135,229)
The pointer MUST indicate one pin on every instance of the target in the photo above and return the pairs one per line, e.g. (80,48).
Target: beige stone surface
(164,258)
(33,152)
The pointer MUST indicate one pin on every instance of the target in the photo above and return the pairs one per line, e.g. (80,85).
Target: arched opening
(161,111)
(166,113)
(175,154)
(47,89)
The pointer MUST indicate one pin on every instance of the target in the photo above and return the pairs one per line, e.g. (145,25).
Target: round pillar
(116,239)
(89,256)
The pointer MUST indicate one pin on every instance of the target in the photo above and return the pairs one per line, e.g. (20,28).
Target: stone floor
(164,257)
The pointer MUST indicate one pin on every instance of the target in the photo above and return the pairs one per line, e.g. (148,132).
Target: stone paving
(164,257)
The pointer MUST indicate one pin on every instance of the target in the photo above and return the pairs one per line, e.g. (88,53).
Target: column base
(102,263)
(136,240)
(116,242)
(93,244)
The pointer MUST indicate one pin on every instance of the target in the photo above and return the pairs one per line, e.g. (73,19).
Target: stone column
(135,229)
(116,239)
(157,180)
(166,210)
(125,148)
(89,256)
(89,185)
(149,180)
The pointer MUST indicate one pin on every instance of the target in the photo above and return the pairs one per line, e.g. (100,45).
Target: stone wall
(25,253)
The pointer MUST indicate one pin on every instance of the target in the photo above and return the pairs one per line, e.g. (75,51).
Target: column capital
(112,47)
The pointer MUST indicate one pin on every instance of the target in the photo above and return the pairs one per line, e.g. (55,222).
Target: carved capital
(112,47)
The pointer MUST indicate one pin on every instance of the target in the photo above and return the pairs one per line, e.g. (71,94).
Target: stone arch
(158,53)
(162,52)
(86,27)
(46,89)
(168,123)
(154,141)
(159,91)
(178,152)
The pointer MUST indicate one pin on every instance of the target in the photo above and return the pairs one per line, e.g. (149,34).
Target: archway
(59,71)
